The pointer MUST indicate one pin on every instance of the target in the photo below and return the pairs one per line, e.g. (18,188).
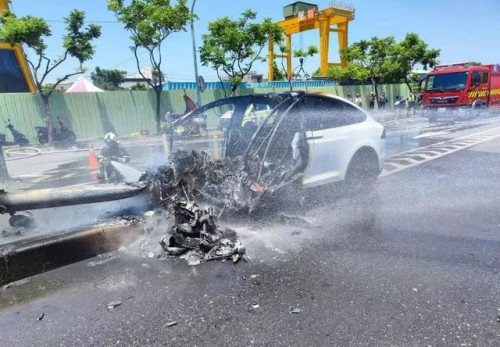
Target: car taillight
(383,134)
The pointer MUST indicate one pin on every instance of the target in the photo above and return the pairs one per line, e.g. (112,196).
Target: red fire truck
(461,91)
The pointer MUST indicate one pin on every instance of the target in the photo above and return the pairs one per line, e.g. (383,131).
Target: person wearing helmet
(113,150)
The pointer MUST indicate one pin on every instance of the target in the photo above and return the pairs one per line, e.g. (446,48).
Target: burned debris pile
(195,232)
(197,190)
(190,178)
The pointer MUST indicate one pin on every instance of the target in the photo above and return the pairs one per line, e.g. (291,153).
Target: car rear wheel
(362,171)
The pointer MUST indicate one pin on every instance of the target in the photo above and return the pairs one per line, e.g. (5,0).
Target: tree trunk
(233,90)
(408,84)
(46,106)
(158,110)
(375,88)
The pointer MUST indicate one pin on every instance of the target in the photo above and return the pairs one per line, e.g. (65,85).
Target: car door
(332,125)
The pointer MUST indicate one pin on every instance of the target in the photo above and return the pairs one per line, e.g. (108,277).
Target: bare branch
(39,62)
(49,69)
(62,79)
(250,64)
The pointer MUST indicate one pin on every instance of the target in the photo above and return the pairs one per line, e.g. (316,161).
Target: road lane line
(394,164)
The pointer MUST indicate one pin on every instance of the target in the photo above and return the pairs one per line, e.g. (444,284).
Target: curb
(33,256)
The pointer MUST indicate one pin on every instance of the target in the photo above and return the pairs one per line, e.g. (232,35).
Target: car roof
(272,98)
(336,97)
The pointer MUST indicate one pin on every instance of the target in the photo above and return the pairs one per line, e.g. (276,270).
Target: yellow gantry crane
(302,16)
(15,74)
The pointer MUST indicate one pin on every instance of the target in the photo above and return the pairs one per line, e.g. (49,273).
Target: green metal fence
(91,115)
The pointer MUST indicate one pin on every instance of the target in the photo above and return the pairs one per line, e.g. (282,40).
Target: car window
(322,112)
(204,130)
(256,113)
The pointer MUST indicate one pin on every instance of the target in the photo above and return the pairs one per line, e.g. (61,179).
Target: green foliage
(28,30)
(150,23)
(78,42)
(407,54)
(107,79)
(279,74)
(352,72)
(47,87)
(232,47)
(32,32)
(139,86)
(382,60)
(310,52)
(372,56)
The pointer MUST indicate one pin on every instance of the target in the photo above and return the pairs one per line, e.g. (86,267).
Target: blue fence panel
(192,86)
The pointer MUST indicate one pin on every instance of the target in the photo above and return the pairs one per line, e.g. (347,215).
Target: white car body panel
(331,150)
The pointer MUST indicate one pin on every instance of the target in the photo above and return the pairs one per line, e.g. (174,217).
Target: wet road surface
(417,263)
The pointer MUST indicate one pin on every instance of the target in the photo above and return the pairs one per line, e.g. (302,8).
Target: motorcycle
(19,138)
(65,137)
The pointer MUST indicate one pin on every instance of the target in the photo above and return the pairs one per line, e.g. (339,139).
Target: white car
(311,138)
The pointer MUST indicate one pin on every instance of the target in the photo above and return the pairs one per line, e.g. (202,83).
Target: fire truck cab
(461,91)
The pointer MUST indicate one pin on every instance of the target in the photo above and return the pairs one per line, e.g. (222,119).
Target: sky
(464,30)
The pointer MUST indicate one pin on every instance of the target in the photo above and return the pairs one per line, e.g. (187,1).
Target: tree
(107,79)
(150,23)
(139,87)
(372,58)
(350,73)
(410,52)
(279,74)
(32,33)
(301,55)
(231,47)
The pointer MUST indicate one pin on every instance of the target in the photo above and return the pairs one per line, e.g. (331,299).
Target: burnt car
(308,138)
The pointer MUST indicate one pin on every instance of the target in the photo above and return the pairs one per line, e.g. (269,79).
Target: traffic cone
(93,164)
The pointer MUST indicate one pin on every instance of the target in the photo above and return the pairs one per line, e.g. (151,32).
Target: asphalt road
(415,264)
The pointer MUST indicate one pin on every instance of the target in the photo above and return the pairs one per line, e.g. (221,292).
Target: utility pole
(196,76)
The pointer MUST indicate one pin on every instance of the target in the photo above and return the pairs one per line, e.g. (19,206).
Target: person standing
(358,101)
(411,104)
(371,101)
(382,100)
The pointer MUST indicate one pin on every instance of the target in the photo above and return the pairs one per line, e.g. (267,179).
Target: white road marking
(431,133)
(404,160)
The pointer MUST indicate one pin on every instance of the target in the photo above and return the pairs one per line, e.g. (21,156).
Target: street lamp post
(198,92)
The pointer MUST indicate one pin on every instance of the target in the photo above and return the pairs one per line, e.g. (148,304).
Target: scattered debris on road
(294,310)
(40,317)
(113,304)
(171,324)
(195,232)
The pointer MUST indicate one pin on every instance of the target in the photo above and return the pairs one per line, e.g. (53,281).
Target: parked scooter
(19,138)
(65,137)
